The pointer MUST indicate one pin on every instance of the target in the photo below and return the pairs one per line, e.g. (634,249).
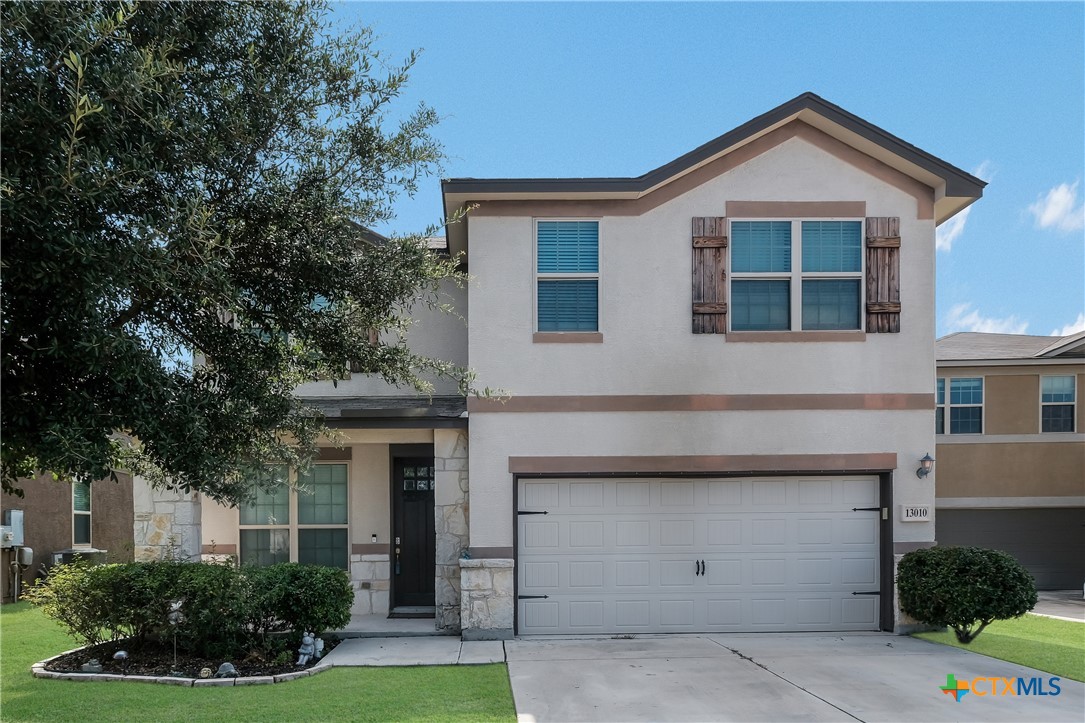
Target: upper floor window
(80,514)
(965,406)
(768,292)
(1057,401)
(567,275)
(307,525)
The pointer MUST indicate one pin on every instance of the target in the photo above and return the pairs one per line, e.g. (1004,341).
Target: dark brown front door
(413,537)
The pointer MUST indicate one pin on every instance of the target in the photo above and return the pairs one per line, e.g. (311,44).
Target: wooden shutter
(883,275)
(709,275)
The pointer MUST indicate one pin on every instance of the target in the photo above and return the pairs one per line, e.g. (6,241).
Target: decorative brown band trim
(333,454)
(567,337)
(218,549)
(796,209)
(795,336)
(369,548)
(903,548)
(703,403)
(924,195)
(789,463)
(490,553)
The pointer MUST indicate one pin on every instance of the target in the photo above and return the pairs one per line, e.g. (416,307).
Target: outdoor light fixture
(925,466)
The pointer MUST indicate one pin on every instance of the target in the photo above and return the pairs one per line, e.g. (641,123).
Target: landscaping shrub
(965,588)
(225,610)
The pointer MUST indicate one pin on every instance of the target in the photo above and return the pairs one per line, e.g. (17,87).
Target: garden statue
(226,670)
(205,672)
(92,667)
(307,649)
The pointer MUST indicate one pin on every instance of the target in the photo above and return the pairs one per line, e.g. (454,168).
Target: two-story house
(719,396)
(1011,450)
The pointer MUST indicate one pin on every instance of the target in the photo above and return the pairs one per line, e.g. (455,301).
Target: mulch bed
(156,659)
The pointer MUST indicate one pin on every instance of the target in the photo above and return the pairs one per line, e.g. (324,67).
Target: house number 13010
(915,513)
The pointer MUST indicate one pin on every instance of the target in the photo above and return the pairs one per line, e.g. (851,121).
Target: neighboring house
(1011,450)
(719,380)
(59,518)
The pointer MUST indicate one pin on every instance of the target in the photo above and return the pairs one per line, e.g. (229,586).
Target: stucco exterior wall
(1013,460)
(434,334)
(648,347)
(1039,469)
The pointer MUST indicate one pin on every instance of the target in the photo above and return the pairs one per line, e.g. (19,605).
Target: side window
(966,405)
(567,276)
(81,514)
(940,407)
(1057,403)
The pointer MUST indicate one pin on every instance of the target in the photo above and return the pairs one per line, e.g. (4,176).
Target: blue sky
(617,89)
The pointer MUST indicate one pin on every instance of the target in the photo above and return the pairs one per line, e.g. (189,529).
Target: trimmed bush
(965,588)
(225,610)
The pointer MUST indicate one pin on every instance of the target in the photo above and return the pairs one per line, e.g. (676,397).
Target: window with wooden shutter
(709,275)
(883,275)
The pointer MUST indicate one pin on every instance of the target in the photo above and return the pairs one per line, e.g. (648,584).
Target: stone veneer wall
(486,599)
(451,514)
(371,577)
(166,523)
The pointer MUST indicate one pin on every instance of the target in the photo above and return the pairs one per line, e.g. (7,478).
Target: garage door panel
(698,555)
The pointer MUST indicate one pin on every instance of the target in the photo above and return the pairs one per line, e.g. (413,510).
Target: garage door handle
(872,592)
(697,567)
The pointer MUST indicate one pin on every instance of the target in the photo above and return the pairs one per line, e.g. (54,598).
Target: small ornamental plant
(964,588)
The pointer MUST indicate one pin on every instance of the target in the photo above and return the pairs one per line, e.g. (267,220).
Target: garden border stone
(38,671)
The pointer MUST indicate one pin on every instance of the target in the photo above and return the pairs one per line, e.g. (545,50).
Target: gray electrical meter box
(12,533)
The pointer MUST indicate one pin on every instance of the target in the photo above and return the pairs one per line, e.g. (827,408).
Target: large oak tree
(187,179)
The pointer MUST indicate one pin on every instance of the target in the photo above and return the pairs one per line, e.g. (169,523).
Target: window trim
(796,276)
(949,406)
(88,513)
(293,526)
(1072,405)
(548,336)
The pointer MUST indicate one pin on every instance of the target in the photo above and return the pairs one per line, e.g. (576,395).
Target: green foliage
(185,181)
(224,609)
(965,588)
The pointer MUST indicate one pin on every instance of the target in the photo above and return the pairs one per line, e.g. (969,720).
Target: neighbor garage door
(697,555)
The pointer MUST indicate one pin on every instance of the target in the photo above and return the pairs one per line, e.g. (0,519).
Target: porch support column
(450,513)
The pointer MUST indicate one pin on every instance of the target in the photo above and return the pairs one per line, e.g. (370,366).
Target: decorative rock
(226,670)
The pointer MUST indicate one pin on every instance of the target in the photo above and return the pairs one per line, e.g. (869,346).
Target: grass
(439,693)
(1053,646)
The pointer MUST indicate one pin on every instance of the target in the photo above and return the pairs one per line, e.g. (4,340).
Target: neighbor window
(567,275)
(940,407)
(823,291)
(1057,400)
(307,525)
(966,405)
(80,514)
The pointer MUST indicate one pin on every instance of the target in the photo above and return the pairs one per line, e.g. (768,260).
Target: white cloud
(963,317)
(1071,328)
(951,230)
(1059,209)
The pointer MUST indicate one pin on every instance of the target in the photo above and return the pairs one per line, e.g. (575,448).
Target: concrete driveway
(768,677)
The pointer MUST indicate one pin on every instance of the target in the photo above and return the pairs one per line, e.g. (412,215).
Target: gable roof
(979,346)
(954,189)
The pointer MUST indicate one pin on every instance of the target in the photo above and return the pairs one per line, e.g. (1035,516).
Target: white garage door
(697,555)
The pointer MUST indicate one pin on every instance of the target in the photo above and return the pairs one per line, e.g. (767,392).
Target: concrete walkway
(1061,604)
(415,650)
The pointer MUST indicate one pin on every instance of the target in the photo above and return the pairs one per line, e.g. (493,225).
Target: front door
(413,537)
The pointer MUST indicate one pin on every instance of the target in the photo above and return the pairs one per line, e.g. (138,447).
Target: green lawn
(1054,646)
(440,693)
